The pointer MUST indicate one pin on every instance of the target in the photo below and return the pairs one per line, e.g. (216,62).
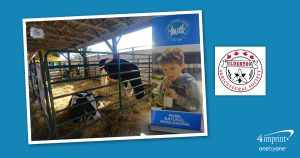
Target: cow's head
(102,63)
(83,107)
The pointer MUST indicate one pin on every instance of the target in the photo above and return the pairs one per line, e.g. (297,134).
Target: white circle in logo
(240,70)
(177,30)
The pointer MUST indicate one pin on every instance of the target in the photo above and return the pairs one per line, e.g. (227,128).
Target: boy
(181,89)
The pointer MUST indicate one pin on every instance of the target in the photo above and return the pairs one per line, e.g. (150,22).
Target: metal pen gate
(44,75)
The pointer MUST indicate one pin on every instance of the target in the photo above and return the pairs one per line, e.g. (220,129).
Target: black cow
(83,104)
(111,68)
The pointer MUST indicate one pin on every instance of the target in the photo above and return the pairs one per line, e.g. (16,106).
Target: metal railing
(49,78)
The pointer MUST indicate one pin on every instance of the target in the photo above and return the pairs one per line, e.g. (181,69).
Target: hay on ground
(113,122)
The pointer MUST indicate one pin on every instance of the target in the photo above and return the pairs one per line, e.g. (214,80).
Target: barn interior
(52,81)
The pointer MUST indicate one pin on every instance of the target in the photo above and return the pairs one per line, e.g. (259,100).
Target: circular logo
(240,70)
(177,30)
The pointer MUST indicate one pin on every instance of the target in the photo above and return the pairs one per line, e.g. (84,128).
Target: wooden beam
(107,43)
(118,20)
(90,26)
(73,30)
(48,28)
(39,41)
(133,27)
(48,45)
(66,36)
(119,39)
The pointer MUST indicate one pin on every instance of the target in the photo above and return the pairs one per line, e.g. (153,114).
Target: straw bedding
(128,122)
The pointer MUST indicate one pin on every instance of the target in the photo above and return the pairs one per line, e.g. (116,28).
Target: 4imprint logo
(275,141)
(275,137)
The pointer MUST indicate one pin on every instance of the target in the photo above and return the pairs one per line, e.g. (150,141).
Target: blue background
(234,123)
(161,37)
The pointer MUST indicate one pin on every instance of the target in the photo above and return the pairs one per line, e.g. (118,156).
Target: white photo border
(205,133)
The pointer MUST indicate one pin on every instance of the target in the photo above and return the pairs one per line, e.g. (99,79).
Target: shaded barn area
(128,122)
(81,32)
(53,81)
